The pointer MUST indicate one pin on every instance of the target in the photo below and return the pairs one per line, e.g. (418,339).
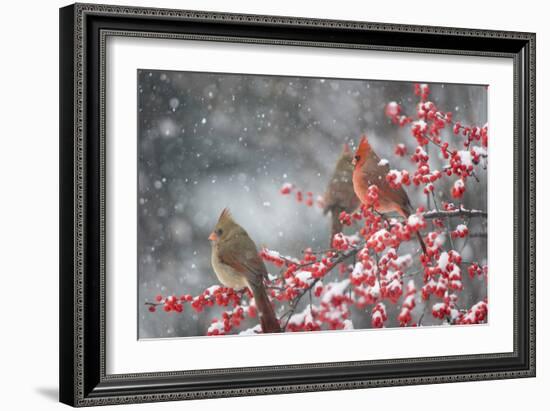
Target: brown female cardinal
(369,170)
(237,264)
(340,195)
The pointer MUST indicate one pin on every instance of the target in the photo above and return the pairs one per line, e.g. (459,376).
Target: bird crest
(363,149)
(225,215)
(364,145)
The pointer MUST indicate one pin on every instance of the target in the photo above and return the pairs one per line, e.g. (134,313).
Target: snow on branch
(455,213)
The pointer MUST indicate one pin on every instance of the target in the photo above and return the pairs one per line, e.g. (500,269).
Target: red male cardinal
(237,264)
(340,195)
(369,170)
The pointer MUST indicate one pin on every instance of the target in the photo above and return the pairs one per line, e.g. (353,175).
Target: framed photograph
(261,204)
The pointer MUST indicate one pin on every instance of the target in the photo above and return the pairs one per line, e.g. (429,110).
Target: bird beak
(354,161)
(213,236)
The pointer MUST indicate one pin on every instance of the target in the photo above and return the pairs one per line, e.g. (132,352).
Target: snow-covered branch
(455,213)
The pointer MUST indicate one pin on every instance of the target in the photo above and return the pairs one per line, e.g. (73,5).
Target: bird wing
(382,167)
(243,257)
(400,197)
(340,194)
(374,169)
(340,187)
(376,172)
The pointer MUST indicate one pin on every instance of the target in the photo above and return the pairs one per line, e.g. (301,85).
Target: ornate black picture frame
(83,30)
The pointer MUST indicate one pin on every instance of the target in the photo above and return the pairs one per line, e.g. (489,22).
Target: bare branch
(478,235)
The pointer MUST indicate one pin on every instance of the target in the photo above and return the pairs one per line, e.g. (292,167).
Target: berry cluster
(441,310)
(409,302)
(215,295)
(475,269)
(307,198)
(422,91)
(461,231)
(371,197)
(475,315)
(306,320)
(472,133)
(427,129)
(400,150)
(379,316)
(273,257)
(343,242)
(229,320)
(396,178)
(458,189)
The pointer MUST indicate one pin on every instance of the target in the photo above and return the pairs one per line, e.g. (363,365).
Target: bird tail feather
(268,319)
(421,241)
(406,213)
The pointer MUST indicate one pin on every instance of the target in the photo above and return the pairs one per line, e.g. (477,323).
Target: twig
(320,251)
(478,235)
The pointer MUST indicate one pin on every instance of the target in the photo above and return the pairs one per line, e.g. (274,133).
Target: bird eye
(219,232)
(357,158)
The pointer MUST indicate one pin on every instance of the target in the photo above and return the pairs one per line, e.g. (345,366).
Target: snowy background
(209,141)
